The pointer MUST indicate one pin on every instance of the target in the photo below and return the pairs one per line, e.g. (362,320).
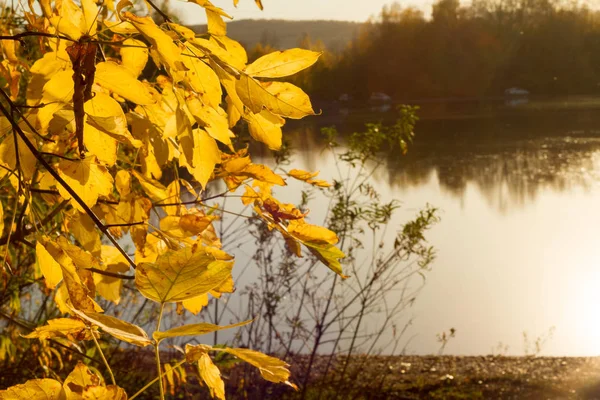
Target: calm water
(519,242)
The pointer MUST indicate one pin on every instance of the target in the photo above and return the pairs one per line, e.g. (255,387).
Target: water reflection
(517,246)
(509,161)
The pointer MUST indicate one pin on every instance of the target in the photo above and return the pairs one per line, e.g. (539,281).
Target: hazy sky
(347,10)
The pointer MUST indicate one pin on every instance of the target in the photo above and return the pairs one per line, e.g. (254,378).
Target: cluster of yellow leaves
(131,130)
(81,383)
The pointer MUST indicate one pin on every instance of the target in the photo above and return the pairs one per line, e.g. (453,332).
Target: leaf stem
(180,363)
(157,352)
(112,376)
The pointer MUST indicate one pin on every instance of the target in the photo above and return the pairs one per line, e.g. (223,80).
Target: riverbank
(484,377)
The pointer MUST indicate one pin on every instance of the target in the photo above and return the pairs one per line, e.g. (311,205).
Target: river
(518,250)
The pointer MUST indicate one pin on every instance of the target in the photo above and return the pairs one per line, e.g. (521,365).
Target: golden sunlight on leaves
(61,327)
(115,327)
(42,389)
(282,63)
(119,80)
(181,275)
(87,178)
(270,368)
(195,330)
(211,375)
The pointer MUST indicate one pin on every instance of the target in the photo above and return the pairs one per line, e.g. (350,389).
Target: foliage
(105,162)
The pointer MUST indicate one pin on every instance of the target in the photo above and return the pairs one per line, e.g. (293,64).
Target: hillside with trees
(548,48)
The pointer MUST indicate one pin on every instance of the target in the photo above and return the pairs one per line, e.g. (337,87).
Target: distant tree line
(547,47)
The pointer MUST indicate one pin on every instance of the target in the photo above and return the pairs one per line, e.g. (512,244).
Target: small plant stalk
(112,376)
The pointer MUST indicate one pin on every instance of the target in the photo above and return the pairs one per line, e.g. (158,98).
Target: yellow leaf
(80,257)
(120,27)
(115,327)
(234,48)
(186,225)
(8,158)
(215,124)
(266,127)
(216,25)
(105,113)
(153,188)
(119,80)
(113,261)
(61,327)
(195,304)
(194,330)
(123,183)
(66,26)
(169,53)
(81,376)
(89,21)
(270,368)
(60,298)
(302,175)
(221,55)
(280,98)
(233,113)
(181,275)
(84,230)
(49,267)
(87,178)
(79,293)
(259,172)
(100,144)
(41,72)
(211,375)
(202,79)
(206,155)
(134,56)
(207,5)
(1,219)
(55,95)
(35,389)
(282,63)
(311,233)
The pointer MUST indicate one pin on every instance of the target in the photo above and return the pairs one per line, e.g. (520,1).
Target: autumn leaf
(115,327)
(280,98)
(194,330)
(266,127)
(279,64)
(119,80)
(61,327)
(42,389)
(211,376)
(329,255)
(180,275)
(87,178)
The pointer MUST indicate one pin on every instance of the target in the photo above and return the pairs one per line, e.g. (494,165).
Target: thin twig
(111,274)
(60,180)
(112,376)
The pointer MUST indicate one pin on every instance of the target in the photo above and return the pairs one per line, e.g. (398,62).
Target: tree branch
(58,178)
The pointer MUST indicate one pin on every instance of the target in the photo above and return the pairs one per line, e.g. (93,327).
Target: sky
(344,10)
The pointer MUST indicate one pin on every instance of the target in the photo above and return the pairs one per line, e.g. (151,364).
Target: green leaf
(180,275)
(195,329)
